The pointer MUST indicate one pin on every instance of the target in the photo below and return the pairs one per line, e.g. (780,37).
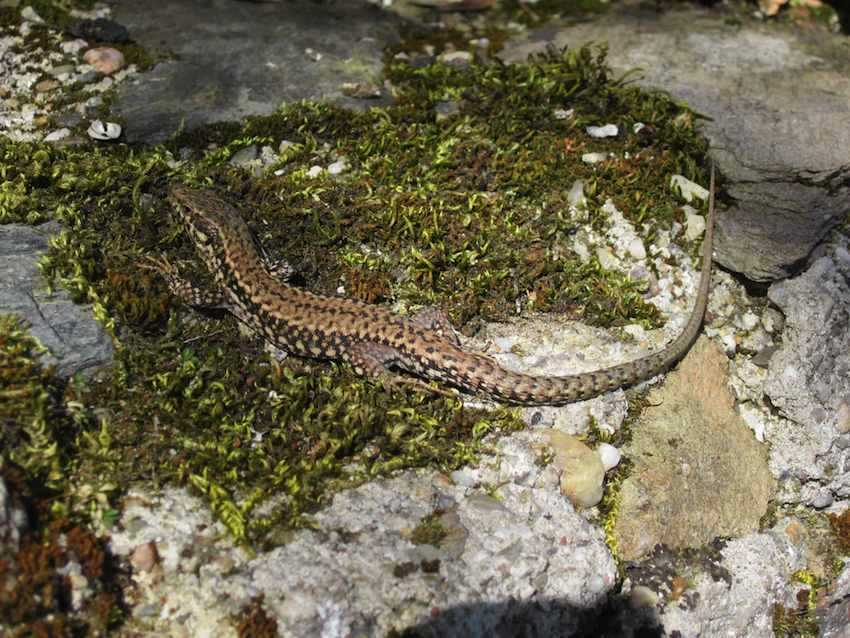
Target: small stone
(361,90)
(563,114)
(609,455)
(88,77)
(73,47)
(58,134)
(30,15)
(105,60)
(339,166)
(842,417)
(315,171)
(244,156)
(312,54)
(47,85)
(62,69)
(456,58)
(636,249)
(694,224)
(144,557)
(822,500)
(594,158)
(606,258)
(609,130)
(687,188)
(581,469)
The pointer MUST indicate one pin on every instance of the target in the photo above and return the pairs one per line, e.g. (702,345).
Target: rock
(808,378)
(144,557)
(361,572)
(73,47)
(784,192)
(694,224)
(688,189)
(105,60)
(100,30)
(456,58)
(31,15)
(338,167)
(727,592)
(212,72)
(75,341)
(47,85)
(581,469)
(594,158)
(835,621)
(609,130)
(698,472)
(58,134)
(104,131)
(13,521)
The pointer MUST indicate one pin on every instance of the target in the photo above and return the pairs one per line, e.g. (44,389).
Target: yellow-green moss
(467,213)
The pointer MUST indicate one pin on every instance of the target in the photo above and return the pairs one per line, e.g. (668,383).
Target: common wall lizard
(374,340)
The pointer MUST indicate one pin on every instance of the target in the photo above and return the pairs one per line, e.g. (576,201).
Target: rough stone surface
(520,557)
(234,59)
(13,521)
(777,99)
(759,569)
(836,617)
(698,471)
(76,342)
(808,378)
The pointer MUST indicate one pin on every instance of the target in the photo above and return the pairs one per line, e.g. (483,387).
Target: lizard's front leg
(376,360)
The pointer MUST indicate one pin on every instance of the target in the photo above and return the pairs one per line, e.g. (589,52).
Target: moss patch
(467,212)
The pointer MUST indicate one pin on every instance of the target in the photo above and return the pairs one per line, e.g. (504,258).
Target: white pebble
(30,14)
(593,158)
(314,171)
(609,455)
(563,114)
(609,130)
(694,223)
(636,249)
(58,134)
(687,188)
(338,166)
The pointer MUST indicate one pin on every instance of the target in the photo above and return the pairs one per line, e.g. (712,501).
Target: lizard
(374,340)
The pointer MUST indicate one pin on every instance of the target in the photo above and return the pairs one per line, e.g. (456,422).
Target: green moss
(468,213)
(429,531)
(800,620)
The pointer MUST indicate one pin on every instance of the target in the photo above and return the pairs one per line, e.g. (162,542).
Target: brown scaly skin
(372,339)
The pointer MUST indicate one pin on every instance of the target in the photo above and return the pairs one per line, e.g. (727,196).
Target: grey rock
(99,30)
(777,102)
(835,622)
(75,341)
(808,378)
(13,521)
(759,568)
(251,65)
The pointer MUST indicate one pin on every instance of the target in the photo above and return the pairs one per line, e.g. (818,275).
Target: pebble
(594,158)
(73,47)
(694,224)
(687,188)
(47,85)
(58,134)
(30,15)
(244,156)
(315,171)
(144,557)
(581,469)
(609,455)
(105,60)
(62,69)
(606,258)
(563,114)
(456,58)
(842,417)
(609,130)
(339,166)
(636,249)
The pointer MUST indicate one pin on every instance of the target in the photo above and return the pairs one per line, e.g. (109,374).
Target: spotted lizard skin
(371,338)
